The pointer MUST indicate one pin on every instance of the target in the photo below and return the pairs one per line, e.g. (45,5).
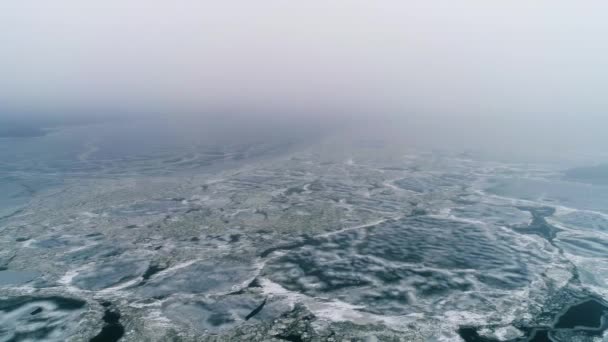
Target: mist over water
(313,171)
(519,76)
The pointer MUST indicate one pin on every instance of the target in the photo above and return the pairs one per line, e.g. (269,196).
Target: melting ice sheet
(258,241)
(39,319)
(16,277)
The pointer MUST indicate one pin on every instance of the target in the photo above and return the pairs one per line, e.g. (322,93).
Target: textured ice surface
(502,215)
(39,319)
(253,241)
(16,277)
(223,313)
(199,278)
(584,220)
(412,264)
(106,274)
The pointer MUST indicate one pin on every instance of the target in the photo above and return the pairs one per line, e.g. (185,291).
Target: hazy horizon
(503,71)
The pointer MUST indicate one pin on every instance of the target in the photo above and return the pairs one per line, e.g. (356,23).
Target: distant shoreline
(14,127)
(23,132)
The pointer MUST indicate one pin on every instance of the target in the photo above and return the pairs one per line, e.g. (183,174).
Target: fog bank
(519,72)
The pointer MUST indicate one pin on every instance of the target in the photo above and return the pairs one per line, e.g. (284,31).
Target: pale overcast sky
(494,58)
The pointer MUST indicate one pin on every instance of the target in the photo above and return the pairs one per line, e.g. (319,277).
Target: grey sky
(474,58)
